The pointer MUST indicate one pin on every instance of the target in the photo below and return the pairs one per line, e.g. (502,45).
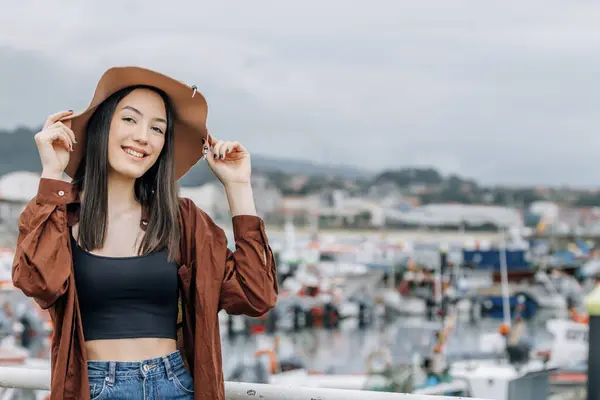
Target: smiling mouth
(134,153)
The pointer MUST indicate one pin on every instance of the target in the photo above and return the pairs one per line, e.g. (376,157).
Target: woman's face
(137,133)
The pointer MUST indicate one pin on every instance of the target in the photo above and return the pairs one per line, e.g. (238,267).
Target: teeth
(134,153)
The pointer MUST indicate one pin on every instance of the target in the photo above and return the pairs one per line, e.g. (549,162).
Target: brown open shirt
(211,278)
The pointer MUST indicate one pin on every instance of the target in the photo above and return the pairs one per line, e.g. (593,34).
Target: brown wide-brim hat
(189,106)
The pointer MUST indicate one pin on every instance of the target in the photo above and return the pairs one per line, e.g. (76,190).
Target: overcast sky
(505,92)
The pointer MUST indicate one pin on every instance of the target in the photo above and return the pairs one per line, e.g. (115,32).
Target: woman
(132,275)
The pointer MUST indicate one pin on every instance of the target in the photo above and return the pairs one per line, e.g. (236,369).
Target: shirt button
(61,193)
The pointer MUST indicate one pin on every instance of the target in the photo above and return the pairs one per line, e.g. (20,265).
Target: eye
(158,129)
(128,119)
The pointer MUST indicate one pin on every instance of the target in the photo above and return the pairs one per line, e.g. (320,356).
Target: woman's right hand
(54,143)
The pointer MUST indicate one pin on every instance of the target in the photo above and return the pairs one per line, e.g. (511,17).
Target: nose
(140,135)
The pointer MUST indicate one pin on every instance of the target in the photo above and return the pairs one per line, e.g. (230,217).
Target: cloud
(503,92)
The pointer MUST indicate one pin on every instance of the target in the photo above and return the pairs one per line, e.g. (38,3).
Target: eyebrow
(135,110)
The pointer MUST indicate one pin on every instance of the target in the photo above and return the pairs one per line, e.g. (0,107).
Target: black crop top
(126,297)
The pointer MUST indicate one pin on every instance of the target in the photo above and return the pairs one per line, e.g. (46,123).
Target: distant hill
(18,153)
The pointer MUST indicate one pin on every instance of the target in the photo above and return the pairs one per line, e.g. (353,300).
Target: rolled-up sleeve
(42,262)
(250,283)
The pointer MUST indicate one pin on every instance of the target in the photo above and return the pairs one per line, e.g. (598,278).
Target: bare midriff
(129,349)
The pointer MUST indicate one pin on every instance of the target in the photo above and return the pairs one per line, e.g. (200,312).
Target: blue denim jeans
(157,378)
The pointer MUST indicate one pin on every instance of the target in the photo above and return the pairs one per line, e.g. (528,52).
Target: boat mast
(504,278)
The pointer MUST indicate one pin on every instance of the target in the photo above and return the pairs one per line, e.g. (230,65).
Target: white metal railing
(39,379)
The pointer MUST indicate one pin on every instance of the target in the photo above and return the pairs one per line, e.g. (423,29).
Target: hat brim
(190,107)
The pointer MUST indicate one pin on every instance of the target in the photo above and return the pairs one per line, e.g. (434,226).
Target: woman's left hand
(229,161)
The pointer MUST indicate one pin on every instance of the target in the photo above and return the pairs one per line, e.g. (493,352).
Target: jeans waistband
(111,370)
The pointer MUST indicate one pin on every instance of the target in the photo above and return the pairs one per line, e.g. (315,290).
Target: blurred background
(423,169)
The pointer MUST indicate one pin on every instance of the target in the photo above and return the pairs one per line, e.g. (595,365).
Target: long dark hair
(156,190)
